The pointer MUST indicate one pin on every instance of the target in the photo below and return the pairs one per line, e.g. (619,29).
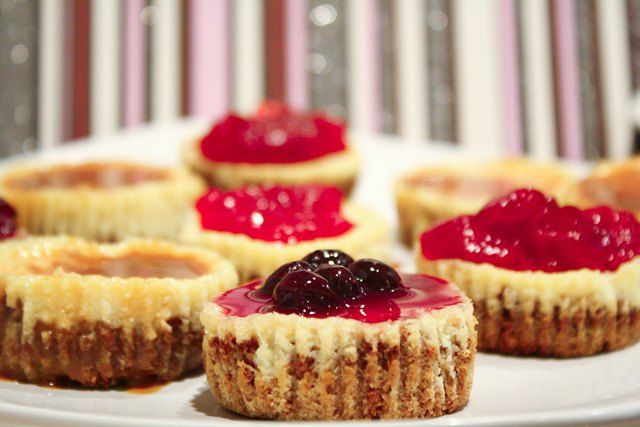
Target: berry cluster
(526,230)
(326,281)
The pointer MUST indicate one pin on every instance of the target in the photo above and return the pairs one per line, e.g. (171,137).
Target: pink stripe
(508,28)
(134,63)
(297,84)
(209,58)
(373,36)
(568,71)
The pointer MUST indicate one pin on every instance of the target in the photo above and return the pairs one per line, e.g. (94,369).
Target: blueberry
(341,281)
(376,276)
(275,277)
(328,256)
(306,293)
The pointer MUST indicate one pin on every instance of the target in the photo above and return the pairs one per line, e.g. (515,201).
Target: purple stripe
(372,35)
(134,63)
(209,58)
(567,60)
(508,28)
(297,84)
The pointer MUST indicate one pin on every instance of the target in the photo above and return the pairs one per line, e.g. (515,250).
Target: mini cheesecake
(610,184)
(99,315)
(545,280)
(434,194)
(260,228)
(277,146)
(327,338)
(106,201)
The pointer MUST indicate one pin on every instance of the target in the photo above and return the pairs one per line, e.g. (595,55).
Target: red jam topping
(365,290)
(527,231)
(275,214)
(8,222)
(274,135)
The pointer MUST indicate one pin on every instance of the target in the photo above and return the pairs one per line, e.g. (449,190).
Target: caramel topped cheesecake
(104,201)
(104,314)
(276,146)
(433,194)
(544,279)
(330,338)
(260,228)
(610,184)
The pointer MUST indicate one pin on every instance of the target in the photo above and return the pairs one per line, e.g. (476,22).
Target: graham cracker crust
(94,354)
(409,380)
(557,334)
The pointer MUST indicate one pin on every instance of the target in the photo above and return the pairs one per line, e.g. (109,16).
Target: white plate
(507,391)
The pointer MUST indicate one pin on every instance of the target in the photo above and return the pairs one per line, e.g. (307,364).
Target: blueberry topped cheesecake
(327,338)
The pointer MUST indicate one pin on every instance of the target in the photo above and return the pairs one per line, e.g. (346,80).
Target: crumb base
(94,354)
(378,380)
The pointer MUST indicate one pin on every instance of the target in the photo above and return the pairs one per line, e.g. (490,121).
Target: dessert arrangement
(252,264)
(327,337)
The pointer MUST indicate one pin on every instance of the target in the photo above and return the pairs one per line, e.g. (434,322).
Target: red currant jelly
(275,134)
(275,214)
(527,231)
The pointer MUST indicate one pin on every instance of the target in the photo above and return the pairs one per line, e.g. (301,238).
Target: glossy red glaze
(275,214)
(421,293)
(527,231)
(8,221)
(274,135)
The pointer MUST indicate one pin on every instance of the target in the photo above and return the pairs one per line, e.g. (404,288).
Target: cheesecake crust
(567,314)
(294,368)
(153,207)
(368,238)
(336,169)
(95,354)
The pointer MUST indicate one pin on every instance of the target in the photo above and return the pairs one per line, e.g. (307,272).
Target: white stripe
(248,55)
(165,60)
(359,88)
(616,76)
(105,66)
(537,66)
(413,113)
(480,112)
(50,79)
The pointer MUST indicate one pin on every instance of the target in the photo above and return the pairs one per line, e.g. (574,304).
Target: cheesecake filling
(528,231)
(275,134)
(275,214)
(92,175)
(147,266)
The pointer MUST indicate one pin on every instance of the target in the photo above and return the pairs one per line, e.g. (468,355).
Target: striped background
(547,78)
